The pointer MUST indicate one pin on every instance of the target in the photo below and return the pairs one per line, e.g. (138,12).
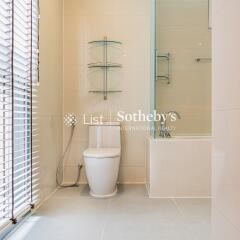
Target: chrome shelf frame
(102,65)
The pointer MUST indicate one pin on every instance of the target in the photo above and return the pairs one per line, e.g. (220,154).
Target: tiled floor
(131,215)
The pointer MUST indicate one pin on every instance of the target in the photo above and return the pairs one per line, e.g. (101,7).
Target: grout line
(181,212)
(186,220)
(227,219)
(63,80)
(174,202)
(105,220)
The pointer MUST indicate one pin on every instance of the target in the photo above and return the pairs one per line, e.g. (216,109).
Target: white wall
(179,167)
(121,20)
(226,122)
(50,92)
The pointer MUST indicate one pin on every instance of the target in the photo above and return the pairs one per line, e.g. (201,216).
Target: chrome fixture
(164,133)
(164,58)
(203,59)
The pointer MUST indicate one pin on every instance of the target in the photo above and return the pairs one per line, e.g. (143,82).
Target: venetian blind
(18,104)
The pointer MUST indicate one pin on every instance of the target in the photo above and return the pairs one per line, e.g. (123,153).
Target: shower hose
(61,165)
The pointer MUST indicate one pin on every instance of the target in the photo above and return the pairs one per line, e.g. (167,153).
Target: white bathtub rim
(182,138)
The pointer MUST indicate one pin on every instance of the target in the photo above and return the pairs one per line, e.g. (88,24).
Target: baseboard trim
(44,200)
(70,183)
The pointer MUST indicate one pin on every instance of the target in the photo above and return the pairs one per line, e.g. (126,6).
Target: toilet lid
(102,152)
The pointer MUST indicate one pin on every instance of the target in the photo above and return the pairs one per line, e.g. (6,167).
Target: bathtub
(178,167)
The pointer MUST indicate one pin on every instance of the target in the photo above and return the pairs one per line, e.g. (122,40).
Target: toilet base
(104,196)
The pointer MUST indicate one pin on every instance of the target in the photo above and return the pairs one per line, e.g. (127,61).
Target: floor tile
(72,214)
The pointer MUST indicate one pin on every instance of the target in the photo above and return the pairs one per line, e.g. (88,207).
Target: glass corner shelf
(104,42)
(103,65)
(101,91)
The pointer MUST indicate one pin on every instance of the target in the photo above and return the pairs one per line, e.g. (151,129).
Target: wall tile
(50,93)
(88,20)
(226,118)
(182,31)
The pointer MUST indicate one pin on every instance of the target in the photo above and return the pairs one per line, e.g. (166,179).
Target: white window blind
(18,107)
(5,110)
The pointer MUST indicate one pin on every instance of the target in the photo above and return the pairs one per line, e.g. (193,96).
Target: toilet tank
(105,135)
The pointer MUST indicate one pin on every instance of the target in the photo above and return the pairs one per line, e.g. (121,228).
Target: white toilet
(102,159)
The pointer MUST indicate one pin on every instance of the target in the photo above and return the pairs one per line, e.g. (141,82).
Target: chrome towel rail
(164,58)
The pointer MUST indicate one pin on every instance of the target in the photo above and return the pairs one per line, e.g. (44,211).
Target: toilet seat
(102,152)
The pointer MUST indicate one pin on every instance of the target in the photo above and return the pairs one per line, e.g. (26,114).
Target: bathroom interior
(119,119)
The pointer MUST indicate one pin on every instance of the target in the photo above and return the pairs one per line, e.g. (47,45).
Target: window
(18,105)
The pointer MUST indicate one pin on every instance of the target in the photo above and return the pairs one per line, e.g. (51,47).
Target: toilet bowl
(102,159)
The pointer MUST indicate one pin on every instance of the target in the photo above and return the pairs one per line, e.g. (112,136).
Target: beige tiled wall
(121,20)
(50,92)
(176,172)
(226,119)
(182,30)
